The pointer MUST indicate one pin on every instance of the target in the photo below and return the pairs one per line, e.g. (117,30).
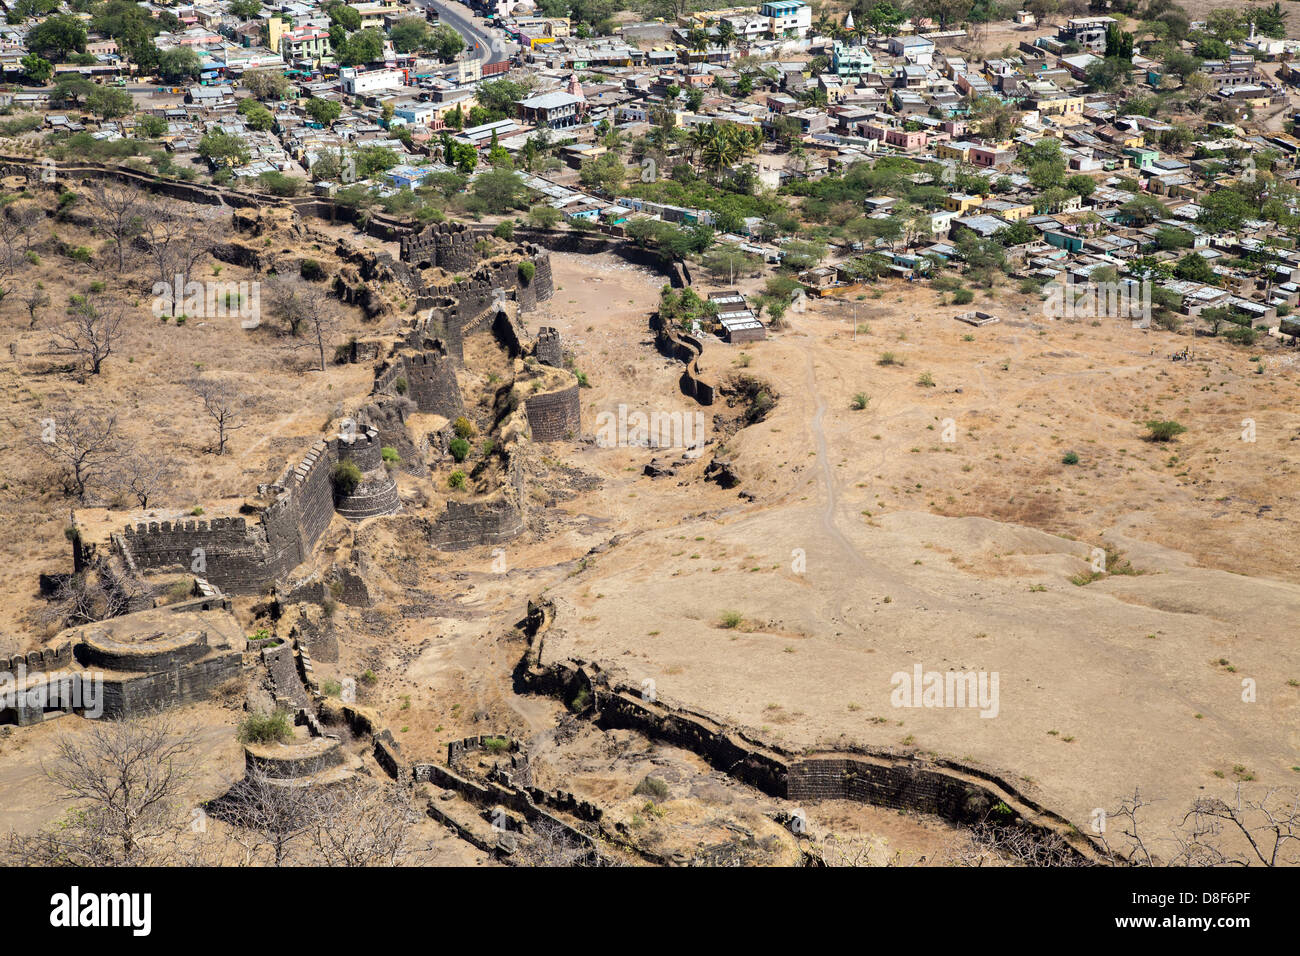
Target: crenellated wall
(245,558)
(430,381)
(548,349)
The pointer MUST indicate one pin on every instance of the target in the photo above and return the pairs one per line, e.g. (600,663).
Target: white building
(787,18)
(355,83)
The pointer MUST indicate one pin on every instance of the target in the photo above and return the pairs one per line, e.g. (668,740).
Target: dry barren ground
(960,554)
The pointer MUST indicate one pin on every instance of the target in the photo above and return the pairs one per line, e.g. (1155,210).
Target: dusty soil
(873,544)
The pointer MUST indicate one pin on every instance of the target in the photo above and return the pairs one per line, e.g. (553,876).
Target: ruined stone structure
(377,493)
(126,666)
(243,557)
(960,793)
(548,349)
(444,245)
(427,377)
(555,416)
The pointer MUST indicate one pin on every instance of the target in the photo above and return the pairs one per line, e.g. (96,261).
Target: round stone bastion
(146,651)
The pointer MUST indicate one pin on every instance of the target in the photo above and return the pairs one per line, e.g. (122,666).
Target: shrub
(860,401)
(925,380)
(730,620)
(1071,458)
(963,297)
(762,404)
(266,728)
(652,787)
(346,476)
(496,745)
(526,272)
(459,448)
(400,386)
(368,677)
(1163,430)
(889,358)
(504,230)
(580,700)
(390,455)
(582,379)
(331,688)
(463,427)
(311,270)
(456,480)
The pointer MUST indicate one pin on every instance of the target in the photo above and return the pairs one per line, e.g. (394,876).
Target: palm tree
(698,40)
(726,33)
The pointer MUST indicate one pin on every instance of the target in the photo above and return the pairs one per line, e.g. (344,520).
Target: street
(493,47)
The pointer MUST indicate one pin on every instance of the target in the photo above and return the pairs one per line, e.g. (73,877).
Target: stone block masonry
(958,792)
(447,245)
(430,378)
(555,416)
(548,348)
(242,557)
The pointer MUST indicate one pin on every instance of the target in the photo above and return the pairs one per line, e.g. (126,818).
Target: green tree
(409,34)
(498,191)
(445,43)
(1081,185)
(57,37)
(1194,268)
(223,149)
(322,111)
(340,14)
(109,103)
(257,116)
(543,217)
(266,84)
(37,70)
(606,173)
(362,47)
(179,64)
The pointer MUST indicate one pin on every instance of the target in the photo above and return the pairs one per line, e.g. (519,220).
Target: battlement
(215,525)
(446,245)
(548,348)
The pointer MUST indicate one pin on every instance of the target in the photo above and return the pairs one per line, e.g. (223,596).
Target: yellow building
(961,203)
(1010,210)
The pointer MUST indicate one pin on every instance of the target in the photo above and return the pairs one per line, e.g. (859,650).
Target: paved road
(493,46)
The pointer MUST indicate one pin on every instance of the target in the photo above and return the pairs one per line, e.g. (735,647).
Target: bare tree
(175,247)
(89,333)
(127,777)
(304,308)
(85,598)
(83,443)
(553,846)
(11,259)
(361,823)
(34,299)
(224,404)
(119,211)
(23,219)
(1134,850)
(1270,829)
(144,476)
(269,817)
